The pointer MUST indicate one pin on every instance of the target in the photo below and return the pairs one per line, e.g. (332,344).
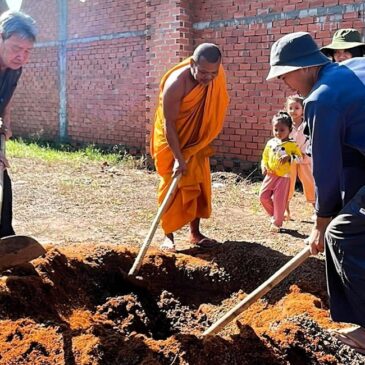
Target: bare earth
(74,306)
(62,204)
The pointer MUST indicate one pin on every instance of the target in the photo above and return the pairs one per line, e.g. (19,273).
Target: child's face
(294,109)
(280,130)
(340,55)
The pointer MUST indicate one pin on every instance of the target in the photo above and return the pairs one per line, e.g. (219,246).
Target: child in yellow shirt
(302,169)
(279,153)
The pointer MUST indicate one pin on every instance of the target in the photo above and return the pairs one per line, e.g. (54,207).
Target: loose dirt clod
(74,307)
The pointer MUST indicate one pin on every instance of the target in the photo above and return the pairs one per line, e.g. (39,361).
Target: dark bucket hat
(292,52)
(344,39)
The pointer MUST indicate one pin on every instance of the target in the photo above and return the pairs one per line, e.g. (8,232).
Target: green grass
(58,153)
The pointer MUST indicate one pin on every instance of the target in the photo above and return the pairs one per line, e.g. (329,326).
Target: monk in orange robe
(192,105)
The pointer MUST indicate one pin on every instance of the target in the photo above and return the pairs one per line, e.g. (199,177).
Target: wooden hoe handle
(142,252)
(259,292)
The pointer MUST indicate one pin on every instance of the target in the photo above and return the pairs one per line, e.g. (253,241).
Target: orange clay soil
(74,306)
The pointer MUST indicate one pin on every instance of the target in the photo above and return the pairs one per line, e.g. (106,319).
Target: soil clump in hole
(75,307)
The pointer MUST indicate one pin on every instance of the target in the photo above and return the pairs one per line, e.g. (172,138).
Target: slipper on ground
(205,243)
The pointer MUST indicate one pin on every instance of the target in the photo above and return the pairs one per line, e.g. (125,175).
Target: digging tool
(142,252)
(15,250)
(259,292)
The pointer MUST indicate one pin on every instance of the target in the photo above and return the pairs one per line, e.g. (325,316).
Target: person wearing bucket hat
(334,110)
(293,52)
(346,44)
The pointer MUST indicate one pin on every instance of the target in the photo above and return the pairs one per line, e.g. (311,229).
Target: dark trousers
(345,262)
(6,228)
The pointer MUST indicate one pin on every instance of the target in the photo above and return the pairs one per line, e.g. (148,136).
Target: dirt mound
(75,307)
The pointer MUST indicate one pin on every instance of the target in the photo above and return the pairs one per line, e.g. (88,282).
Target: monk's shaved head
(209,51)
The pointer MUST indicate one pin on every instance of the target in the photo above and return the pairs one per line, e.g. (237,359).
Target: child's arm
(265,160)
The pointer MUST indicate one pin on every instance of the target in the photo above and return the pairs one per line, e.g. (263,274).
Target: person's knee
(264,197)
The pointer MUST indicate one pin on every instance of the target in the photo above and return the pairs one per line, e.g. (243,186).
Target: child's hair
(283,117)
(297,98)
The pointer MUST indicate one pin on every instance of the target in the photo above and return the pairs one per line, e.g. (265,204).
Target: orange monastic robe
(200,120)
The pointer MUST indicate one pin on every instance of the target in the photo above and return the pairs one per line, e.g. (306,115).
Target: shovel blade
(17,250)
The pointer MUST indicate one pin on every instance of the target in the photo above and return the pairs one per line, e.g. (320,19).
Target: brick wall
(245,31)
(115,52)
(35,110)
(169,40)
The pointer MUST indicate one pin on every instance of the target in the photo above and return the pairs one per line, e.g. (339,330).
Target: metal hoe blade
(17,250)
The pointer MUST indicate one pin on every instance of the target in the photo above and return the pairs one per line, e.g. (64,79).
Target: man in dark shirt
(18,34)
(334,108)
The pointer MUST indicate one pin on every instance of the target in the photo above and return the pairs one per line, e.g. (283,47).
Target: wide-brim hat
(293,52)
(344,39)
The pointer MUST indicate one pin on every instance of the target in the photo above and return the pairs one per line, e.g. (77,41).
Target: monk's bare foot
(353,337)
(202,241)
(168,245)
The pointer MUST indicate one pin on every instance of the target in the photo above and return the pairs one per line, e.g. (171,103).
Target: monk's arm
(171,99)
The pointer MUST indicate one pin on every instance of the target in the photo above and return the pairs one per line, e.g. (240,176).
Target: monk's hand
(316,238)
(180,167)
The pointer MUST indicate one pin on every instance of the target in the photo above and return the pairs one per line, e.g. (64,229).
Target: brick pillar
(169,40)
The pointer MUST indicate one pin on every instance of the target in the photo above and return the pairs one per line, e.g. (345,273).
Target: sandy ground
(75,306)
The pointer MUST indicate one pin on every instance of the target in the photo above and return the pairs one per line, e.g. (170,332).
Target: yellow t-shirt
(274,149)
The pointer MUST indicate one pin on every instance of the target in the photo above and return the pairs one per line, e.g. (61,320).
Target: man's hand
(180,167)
(3,161)
(5,130)
(316,238)
(8,134)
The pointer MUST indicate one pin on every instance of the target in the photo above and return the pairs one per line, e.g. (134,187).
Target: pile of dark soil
(74,306)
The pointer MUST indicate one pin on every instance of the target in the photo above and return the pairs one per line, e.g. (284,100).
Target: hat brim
(276,71)
(314,59)
(342,45)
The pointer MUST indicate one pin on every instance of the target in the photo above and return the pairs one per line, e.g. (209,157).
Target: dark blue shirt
(8,82)
(335,113)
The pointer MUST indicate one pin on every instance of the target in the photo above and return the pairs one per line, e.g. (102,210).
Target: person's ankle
(169,236)
(195,234)
(168,244)
(275,228)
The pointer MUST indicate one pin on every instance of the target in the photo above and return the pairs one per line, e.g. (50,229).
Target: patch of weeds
(52,152)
